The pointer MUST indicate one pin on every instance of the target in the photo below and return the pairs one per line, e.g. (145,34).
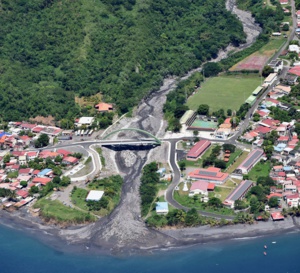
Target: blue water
(20,253)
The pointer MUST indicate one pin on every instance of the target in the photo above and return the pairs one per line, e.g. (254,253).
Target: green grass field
(260,169)
(55,210)
(227,92)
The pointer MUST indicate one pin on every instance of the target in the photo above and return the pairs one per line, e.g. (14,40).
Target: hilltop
(53,50)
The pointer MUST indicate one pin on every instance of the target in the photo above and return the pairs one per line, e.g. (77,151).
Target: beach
(166,239)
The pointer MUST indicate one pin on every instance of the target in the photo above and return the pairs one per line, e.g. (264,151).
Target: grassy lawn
(189,202)
(221,193)
(273,45)
(55,210)
(237,162)
(233,156)
(260,169)
(227,92)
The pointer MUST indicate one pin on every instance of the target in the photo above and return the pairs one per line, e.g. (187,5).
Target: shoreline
(178,238)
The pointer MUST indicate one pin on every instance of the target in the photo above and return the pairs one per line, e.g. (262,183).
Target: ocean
(22,253)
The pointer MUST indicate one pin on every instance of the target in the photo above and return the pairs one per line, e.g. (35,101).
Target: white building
(85,121)
(94,195)
(270,79)
(294,48)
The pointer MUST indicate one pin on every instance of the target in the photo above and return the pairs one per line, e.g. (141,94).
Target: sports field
(224,92)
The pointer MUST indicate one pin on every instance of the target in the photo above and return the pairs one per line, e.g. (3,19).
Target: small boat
(265,253)
(265,247)
(274,242)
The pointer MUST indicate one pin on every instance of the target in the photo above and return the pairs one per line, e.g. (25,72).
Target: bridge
(153,138)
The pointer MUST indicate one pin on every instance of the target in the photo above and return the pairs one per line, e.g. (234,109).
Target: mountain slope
(51,50)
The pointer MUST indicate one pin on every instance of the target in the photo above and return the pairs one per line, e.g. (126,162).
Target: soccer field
(227,92)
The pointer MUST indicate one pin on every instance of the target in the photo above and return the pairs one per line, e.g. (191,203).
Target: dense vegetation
(148,187)
(268,18)
(52,50)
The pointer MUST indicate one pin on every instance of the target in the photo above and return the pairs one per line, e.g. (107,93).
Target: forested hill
(53,49)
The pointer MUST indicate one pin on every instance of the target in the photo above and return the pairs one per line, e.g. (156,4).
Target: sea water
(21,253)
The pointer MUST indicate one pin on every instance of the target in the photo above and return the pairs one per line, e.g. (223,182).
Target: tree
(56,180)
(57,171)
(203,109)
(285,27)
(215,202)
(228,147)
(239,204)
(229,112)
(211,69)
(65,181)
(6,158)
(220,164)
(273,202)
(267,70)
(33,190)
(42,141)
(192,217)
(182,165)
(23,184)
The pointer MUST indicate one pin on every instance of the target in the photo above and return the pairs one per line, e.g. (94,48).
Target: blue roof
(44,172)
(162,206)
(4,133)
(287,168)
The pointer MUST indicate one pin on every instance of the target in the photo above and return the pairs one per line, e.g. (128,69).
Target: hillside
(51,50)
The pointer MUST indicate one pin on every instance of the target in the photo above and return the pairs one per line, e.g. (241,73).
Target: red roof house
(198,149)
(211,174)
(70,160)
(104,107)
(41,180)
(277,216)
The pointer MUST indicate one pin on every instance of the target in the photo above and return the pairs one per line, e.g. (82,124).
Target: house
(70,160)
(27,126)
(161,172)
(162,207)
(31,155)
(278,168)
(292,79)
(283,139)
(250,161)
(25,172)
(271,102)
(270,79)
(211,174)
(277,216)
(284,2)
(294,70)
(87,121)
(45,172)
(41,180)
(286,90)
(238,193)
(198,149)
(270,123)
(22,193)
(294,48)
(277,65)
(263,131)
(22,160)
(103,107)
(94,195)
(292,200)
(63,152)
(201,187)
(25,139)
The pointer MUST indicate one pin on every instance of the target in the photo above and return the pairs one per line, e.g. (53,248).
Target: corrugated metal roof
(188,114)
